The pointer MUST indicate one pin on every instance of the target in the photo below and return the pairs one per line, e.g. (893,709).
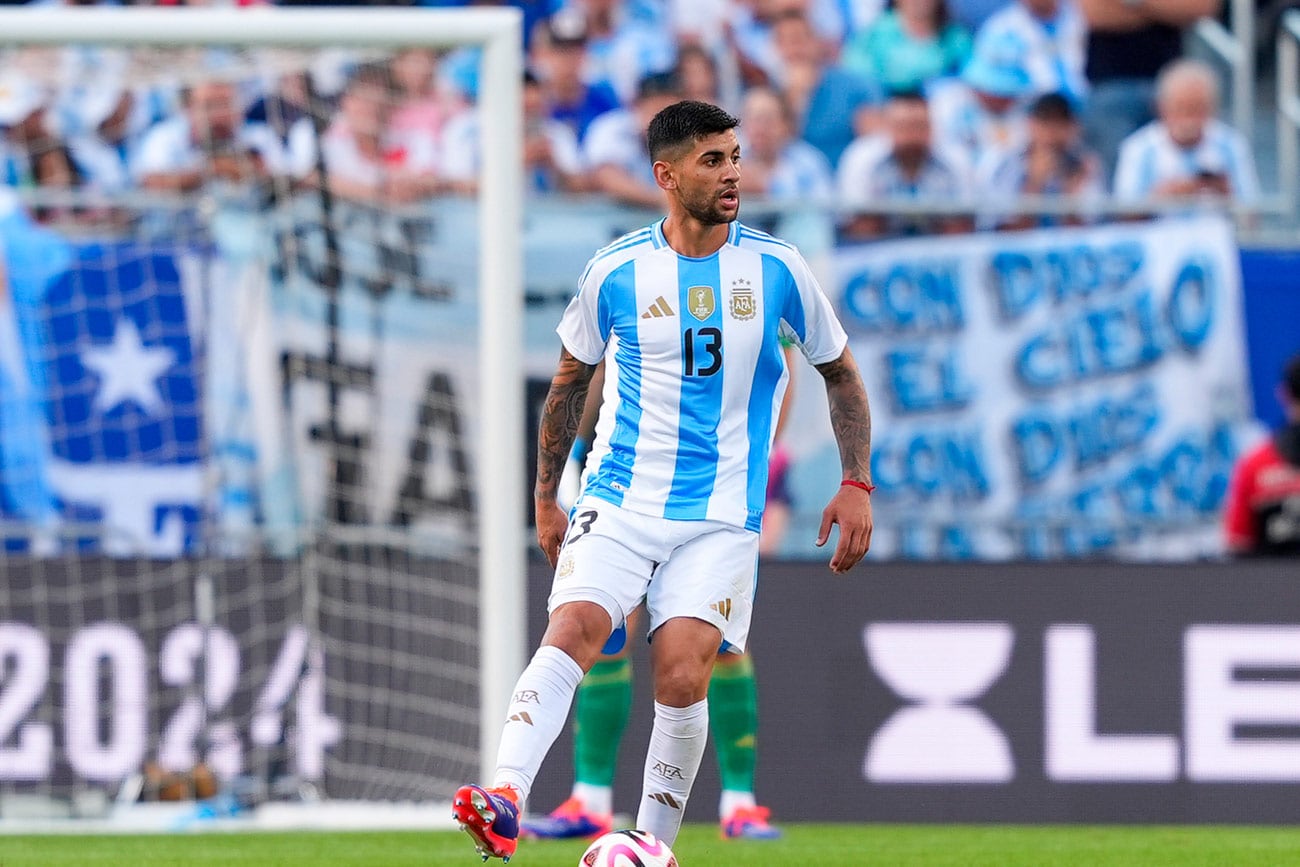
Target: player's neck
(688,236)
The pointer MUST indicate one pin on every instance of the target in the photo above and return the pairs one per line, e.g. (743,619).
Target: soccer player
(604,697)
(689,311)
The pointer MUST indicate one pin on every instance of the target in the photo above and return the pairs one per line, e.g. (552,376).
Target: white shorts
(617,559)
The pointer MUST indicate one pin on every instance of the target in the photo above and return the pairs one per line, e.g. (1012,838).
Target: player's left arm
(850,508)
(561,415)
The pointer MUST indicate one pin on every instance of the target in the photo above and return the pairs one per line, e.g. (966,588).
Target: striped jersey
(1150,156)
(694,375)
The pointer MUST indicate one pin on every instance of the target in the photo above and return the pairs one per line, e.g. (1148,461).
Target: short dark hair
(686,121)
(1052,108)
(1291,377)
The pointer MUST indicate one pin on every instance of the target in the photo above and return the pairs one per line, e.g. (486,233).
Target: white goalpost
(498,442)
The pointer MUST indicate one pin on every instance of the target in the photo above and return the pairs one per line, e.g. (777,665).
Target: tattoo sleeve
(560,417)
(850,415)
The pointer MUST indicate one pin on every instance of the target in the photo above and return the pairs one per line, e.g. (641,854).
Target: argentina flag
(107,354)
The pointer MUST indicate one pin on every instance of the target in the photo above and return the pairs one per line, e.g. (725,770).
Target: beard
(710,211)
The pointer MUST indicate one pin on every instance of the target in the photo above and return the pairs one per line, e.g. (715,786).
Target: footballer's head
(697,159)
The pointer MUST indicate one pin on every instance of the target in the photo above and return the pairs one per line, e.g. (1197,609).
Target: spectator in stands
(776,164)
(24,122)
(615,149)
(1128,44)
(559,55)
(902,167)
(552,159)
(832,104)
(621,48)
(1053,162)
(748,32)
(364,160)
(698,75)
(1047,38)
(281,129)
(205,142)
(786,170)
(420,109)
(909,46)
(983,113)
(1187,152)
(1262,514)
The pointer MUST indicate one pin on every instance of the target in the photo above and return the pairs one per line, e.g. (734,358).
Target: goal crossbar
(498,31)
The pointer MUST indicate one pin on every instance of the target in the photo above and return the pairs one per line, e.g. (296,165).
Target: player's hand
(552,523)
(851,509)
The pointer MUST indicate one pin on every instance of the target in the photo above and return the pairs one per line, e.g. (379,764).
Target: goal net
(261,405)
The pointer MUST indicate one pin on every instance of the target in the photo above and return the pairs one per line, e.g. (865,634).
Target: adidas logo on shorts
(522,717)
(723,607)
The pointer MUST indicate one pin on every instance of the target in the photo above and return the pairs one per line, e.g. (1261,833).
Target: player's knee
(580,630)
(682,683)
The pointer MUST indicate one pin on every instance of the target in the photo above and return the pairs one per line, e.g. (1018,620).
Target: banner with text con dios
(1051,393)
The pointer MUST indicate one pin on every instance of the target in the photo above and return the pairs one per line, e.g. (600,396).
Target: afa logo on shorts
(565,569)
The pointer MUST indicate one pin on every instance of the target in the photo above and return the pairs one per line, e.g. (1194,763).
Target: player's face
(708,179)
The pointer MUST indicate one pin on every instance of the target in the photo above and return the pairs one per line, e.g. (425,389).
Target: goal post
(500,506)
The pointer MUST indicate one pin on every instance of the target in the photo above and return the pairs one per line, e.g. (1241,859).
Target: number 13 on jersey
(702,351)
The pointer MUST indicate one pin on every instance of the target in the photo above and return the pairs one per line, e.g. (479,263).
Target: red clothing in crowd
(1263,511)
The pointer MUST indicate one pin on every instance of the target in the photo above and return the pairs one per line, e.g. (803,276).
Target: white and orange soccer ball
(628,849)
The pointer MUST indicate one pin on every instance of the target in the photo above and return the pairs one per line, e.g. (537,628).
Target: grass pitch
(699,846)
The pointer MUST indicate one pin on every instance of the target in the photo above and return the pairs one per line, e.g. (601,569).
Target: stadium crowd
(868,105)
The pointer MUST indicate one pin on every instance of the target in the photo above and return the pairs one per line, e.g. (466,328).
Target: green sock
(733,716)
(603,704)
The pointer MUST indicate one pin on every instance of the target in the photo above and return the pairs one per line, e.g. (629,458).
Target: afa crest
(700,302)
(743,305)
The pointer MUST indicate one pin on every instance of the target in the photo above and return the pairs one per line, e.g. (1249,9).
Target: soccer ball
(628,849)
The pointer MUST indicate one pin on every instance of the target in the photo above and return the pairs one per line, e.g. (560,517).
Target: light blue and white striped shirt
(1149,157)
(695,375)
(1051,52)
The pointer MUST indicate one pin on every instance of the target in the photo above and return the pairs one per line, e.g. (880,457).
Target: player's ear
(665,176)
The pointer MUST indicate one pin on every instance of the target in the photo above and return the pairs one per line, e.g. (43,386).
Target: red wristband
(855,483)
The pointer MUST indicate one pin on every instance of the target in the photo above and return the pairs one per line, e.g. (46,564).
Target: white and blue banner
(1056,393)
(102,423)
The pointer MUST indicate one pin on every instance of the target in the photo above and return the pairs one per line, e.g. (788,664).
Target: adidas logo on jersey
(522,717)
(723,607)
(667,800)
(659,309)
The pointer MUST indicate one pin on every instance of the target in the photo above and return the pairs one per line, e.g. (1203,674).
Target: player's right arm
(560,417)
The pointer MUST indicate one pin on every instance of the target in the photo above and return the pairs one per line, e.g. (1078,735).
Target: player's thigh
(710,578)
(601,562)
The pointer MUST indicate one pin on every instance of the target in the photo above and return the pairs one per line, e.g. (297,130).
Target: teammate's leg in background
(733,717)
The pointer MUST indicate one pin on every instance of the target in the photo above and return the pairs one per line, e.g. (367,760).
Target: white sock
(676,747)
(595,799)
(537,712)
(731,801)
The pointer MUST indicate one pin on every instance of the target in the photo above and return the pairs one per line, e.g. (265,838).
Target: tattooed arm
(560,417)
(851,422)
